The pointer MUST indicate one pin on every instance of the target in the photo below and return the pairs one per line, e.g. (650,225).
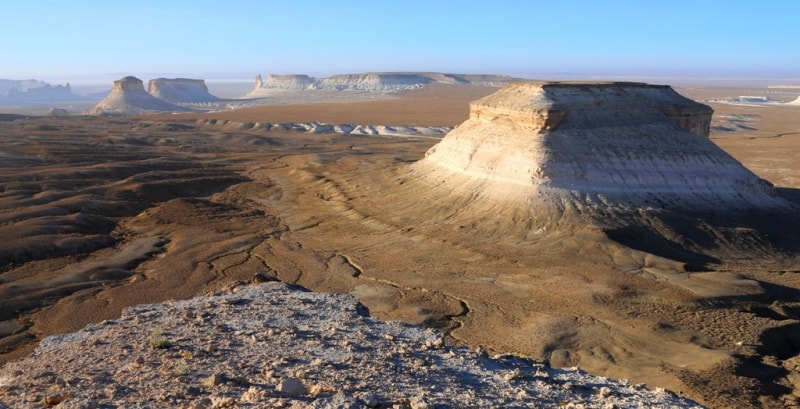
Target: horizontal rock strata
(592,145)
(368,82)
(129,97)
(180,90)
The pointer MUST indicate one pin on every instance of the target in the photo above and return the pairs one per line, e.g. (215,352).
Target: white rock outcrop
(587,146)
(271,345)
(287,82)
(321,128)
(129,97)
(368,82)
(180,90)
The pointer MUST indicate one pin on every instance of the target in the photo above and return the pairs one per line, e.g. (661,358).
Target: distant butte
(129,97)
(180,90)
(569,147)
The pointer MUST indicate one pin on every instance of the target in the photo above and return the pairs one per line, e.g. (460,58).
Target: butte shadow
(633,160)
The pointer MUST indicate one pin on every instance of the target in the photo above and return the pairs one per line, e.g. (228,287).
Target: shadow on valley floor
(701,239)
(782,343)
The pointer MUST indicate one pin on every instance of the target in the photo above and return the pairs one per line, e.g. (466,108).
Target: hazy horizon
(95,42)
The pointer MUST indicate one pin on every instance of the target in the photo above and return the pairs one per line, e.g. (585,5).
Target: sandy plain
(101,213)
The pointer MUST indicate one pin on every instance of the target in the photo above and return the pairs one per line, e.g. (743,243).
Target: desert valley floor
(100,213)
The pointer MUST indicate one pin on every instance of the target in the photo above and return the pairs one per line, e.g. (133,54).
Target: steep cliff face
(369,82)
(580,146)
(375,82)
(180,90)
(129,97)
(290,82)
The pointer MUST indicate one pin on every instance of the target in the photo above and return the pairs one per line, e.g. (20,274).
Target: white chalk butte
(129,97)
(592,146)
(180,90)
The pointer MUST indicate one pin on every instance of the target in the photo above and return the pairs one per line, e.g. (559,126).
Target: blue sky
(55,39)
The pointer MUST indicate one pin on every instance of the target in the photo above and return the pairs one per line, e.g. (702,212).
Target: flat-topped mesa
(129,83)
(543,105)
(293,82)
(129,97)
(576,145)
(180,90)
(380,82)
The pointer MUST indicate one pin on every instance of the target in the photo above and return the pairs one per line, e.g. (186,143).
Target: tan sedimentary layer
(180,90)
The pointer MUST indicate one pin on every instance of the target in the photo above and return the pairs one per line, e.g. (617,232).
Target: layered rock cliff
(129,97)
(289,82)
(369,82)
(180,90)
(561,146)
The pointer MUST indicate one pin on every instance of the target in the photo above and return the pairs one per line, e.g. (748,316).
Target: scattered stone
(292,387)
(419,402)
(605,392)
(213,380)
(304,359)
(53,400)
(222,402)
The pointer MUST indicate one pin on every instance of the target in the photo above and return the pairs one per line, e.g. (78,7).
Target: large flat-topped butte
(574,146)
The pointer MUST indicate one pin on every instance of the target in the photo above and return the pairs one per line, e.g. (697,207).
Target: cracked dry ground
(99,213)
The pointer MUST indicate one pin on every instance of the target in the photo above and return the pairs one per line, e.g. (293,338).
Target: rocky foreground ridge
(273,345)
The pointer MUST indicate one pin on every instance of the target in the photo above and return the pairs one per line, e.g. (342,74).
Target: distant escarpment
(14,92)
(369,82)
(180,90)
(129,97)
(586,147)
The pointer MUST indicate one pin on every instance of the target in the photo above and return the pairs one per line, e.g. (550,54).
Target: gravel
(275,345)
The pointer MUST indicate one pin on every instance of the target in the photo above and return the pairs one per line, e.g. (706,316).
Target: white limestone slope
(180,90)
(129,97)
(343,129)
(590,146)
